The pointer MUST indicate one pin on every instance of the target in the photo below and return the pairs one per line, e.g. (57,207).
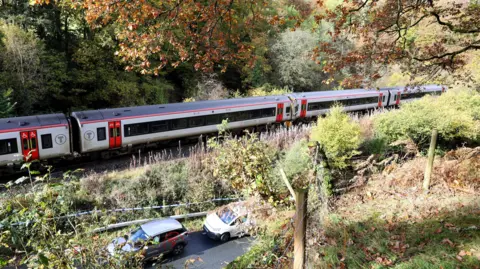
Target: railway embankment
(367,207)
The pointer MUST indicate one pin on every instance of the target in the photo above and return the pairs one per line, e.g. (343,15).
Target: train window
(320,105)
(287,110)
(212,120)
(46,141)
(34,143)
(134,129)
(101,134)
(359,101)
(268,112)
(383,99)
(230,117)
(395,97)
(196,122)
(25,144)
(158,126)
(414,95)
(117,132)
(8,146)
(179,124)
(243,115)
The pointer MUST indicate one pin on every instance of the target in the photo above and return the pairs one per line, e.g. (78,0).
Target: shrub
(339,136)
(298,164)
(245,162)
(456,115)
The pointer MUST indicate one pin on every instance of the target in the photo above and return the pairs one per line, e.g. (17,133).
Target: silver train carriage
(33,138)
(111,130)
(126,127)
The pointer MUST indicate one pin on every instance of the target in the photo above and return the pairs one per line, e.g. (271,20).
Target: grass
(449,240)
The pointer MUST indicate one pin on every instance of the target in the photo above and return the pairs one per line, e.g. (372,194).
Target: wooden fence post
(300,228)
(431,157)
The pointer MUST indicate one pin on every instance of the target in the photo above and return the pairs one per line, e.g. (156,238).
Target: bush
(245,162)
(298,165)
(339,136)
(456,116)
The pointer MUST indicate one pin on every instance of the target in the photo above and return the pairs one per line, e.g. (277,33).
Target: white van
(228,221)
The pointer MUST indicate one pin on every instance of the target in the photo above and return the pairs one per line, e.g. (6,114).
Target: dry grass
(398,190)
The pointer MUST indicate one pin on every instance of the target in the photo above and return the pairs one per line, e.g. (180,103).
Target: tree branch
(452,54)
(452,27)
(358,8)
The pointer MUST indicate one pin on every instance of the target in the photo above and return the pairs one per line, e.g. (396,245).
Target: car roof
(27,122)
(116,113)
(239,208)
(159,226)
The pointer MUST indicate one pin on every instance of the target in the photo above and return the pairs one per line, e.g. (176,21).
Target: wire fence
(132,209)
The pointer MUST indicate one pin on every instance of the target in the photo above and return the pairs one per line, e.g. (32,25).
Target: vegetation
(425,37)
(455,115)
(246,163)
(339,136)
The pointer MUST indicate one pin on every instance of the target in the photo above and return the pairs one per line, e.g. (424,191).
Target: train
(116,131)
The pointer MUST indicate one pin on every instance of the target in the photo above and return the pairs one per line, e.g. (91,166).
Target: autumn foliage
(425,36)
(154,34)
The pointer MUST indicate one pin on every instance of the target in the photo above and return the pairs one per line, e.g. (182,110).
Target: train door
(29,145)
(397,102)
(115,134)
(280,112)
(303,108)
(380,99)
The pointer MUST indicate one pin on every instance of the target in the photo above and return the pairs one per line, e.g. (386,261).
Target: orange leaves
(205,32)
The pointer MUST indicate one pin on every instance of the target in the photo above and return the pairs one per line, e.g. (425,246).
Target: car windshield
(138,235)
(226,215)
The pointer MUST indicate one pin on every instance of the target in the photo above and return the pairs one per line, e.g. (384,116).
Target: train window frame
(154,126)
(34,143)
(47,142)
(101,136)
(25,144)
(212,119)
(208,120)
(175,126)
(10,145)
(196,122)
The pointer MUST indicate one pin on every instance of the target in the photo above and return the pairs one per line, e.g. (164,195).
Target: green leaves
(245,162)
(454,115)
(339,136)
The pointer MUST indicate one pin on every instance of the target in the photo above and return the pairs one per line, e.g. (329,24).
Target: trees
(426,36)
(292,56)
(6,107)
(20,57)
(156,34)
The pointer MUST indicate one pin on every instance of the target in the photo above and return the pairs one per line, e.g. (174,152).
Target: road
(213,254)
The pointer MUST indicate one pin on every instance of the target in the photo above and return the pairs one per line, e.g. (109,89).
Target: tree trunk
(300,228)
(65,36)
(431,157)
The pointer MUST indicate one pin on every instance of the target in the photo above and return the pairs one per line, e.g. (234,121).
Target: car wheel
(178,249)
(225,237)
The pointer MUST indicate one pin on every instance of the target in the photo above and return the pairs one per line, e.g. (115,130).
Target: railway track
(120,162)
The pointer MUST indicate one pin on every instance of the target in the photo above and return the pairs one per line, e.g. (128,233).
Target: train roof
(333,93)
(27,122)
(414,88)
(115,113)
